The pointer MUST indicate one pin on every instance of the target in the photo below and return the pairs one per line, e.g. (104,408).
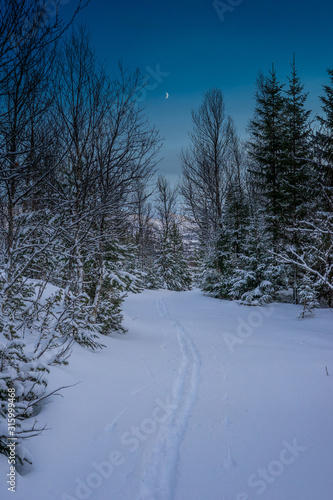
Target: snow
(202,399)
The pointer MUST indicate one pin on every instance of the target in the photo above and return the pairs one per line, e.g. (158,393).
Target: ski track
(160,468)
(228,460)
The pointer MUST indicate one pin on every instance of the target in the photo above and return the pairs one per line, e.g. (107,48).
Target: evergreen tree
(315,257)
(266,149)
(250,271)
(235,216)
(25,367)
(223,266)
(325,140)
(297,152)
(182,272)
(257,277)
(308,296)
(171,268)
(298,170)
(216,268)
(311,253)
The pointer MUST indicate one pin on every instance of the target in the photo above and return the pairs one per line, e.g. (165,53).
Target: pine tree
(297,151)
(107,286)
(171,267)
(258,277)
(182,272)
(266,149)
(313,254)
(22,367)
(236,209)
(308,296)
(217,267)
(298,170)
(223,267)
(325,140)
(315,257)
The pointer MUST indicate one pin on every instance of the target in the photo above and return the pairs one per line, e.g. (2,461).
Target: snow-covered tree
(325,144)
(315,257)
(308,296)
(108,147)
(72,146)
(296,178)
(267,150)
(170,268)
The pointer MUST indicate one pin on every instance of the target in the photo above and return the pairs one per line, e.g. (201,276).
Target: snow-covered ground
(201,400)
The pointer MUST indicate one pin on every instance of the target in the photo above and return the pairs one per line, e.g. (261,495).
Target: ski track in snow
(160,469)
(228,460)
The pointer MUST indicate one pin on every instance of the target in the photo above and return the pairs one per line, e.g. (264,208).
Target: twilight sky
(188,47)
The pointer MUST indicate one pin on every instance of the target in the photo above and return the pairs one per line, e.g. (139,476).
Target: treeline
(264,208)
(77,157)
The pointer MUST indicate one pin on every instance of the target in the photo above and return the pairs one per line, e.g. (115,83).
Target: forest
(85,218)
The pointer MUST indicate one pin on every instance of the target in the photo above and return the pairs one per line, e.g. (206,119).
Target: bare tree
(29,24)
(109,146)
(27,50)
(142,223)
(206,163)
(166,205)
(27,47)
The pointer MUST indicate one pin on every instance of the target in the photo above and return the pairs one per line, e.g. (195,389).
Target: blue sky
(195,49)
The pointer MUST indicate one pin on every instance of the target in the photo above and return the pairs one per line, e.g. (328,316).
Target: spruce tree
(296,178)
(171,267)
(297,151)
(225,264)
(325,139)
(258,276)
(216,268)
(308,296)
(266,149)
(235,217)
(313,255)
(182,272)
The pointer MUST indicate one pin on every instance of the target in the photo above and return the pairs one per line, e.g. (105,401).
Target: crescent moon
(167,95)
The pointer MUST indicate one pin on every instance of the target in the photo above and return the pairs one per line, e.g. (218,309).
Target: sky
(187,47)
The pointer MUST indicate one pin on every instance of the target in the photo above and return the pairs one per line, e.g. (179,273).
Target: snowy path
(158,481)
(201,400)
